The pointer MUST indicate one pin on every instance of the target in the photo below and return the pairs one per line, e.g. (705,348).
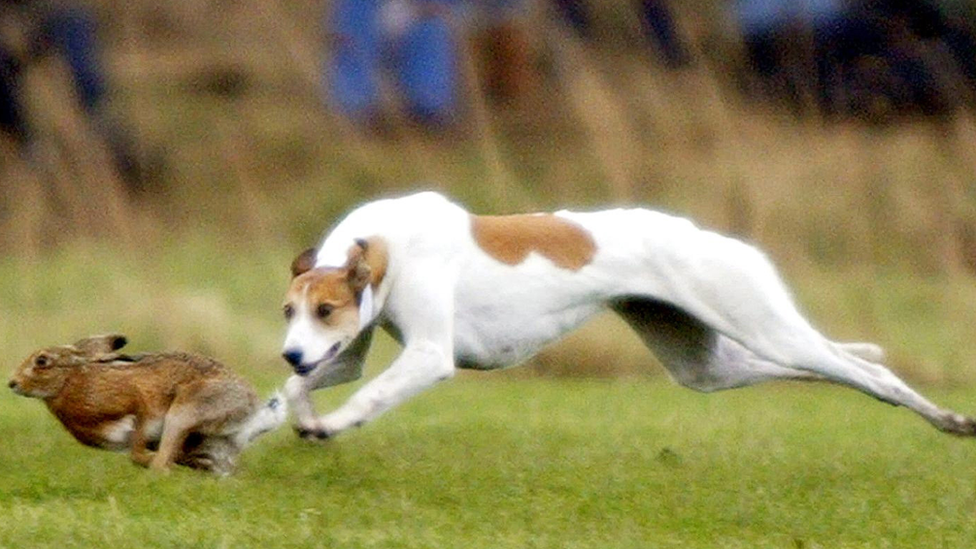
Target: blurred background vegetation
(170,205)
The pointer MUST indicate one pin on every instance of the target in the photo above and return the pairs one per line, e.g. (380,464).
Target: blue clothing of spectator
(352,78)
(410,40)
(756,17)
(660,28)
(72,32)
(427,70)
(819,12)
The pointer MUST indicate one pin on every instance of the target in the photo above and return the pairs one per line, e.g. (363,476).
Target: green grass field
(485,461)
(493,460)
(873,226)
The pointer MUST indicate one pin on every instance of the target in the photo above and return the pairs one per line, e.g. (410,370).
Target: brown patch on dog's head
(373,253)
(304,262)
(510,238)
(332,294)
(325,292)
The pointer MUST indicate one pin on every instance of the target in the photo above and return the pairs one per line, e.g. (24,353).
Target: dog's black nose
(293,357)
(12,384)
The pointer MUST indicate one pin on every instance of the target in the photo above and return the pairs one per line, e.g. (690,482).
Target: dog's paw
(958,424)
(312,433)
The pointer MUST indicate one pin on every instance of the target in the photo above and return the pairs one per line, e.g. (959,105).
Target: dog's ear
(101,344)
(304,262)
(358,272)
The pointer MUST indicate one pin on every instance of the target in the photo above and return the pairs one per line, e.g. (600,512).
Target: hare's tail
(266,418)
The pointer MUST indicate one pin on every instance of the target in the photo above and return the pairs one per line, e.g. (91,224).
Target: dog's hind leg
(890,388)
(695,355)
(867,351)
(791,341)
(703,359)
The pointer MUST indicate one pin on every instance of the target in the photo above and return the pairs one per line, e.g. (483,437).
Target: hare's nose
(12,384)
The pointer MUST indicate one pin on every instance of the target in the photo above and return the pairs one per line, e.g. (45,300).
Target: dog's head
(326,307)
(44,373)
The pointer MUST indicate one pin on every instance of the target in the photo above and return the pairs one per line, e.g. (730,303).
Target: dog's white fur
(712,308)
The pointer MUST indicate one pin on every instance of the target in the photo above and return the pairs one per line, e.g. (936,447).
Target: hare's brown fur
(189,408)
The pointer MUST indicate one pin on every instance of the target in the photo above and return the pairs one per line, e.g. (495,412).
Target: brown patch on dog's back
(510,238)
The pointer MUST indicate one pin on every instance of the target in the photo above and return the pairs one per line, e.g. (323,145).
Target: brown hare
(163,408)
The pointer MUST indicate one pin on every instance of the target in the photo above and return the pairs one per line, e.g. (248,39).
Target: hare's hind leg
(177,426)
(203,408)
(217,455)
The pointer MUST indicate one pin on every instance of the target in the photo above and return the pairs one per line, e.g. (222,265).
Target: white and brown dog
(467,291)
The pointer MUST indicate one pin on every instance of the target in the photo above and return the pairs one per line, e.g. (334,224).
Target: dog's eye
(323,310)
(41,361)
(289,311)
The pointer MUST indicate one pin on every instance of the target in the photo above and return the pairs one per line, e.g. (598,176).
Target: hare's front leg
(139,445)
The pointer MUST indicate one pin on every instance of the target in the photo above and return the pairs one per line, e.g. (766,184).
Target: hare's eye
(289,311)
(323,310)
(41,361)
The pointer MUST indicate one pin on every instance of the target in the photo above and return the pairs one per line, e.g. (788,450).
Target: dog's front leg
(420,366)
(348,367)
(298,394)
(421,306)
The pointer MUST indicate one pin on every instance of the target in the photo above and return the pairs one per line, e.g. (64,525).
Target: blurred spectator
(411,46)
(657,24)
(11,116)
(408,40)
(867,56)
(960,36)
(353,75)
(576,13)
(424,58)
(660,29)
(67,30)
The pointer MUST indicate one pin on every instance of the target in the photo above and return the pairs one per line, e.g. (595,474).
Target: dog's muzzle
(294,357)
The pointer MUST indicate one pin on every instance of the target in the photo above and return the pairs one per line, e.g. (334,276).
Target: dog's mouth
(305,369)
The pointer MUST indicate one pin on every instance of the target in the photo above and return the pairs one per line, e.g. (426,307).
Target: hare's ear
(101,344)
(304,262)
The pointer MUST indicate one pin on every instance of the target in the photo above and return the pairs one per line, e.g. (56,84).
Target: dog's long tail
(265,419)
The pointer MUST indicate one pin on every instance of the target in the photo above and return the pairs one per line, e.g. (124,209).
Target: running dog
(459,290)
